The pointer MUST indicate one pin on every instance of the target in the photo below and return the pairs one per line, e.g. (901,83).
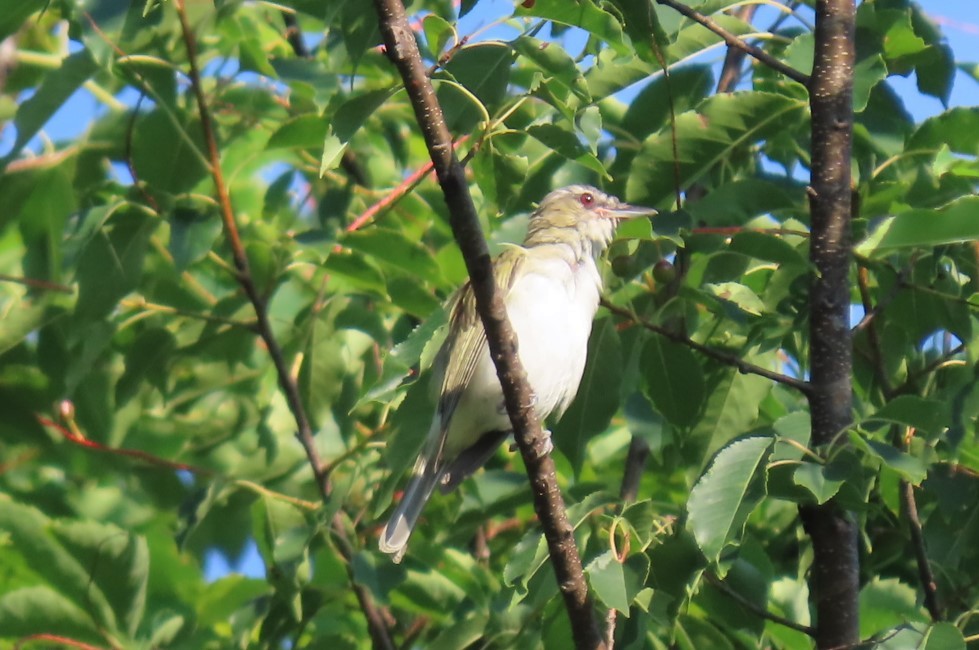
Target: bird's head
(579,215)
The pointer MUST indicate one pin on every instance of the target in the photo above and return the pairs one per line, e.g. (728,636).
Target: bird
(551,286)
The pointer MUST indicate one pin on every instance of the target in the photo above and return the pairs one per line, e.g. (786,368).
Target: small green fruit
(664,272)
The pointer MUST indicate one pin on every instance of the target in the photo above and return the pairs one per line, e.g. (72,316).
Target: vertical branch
(548,503)
(835,571)
(304,429)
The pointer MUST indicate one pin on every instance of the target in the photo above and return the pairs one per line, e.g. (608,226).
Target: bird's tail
(394,538)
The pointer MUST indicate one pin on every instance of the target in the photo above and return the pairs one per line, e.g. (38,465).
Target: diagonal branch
(761,612)
(743,366)
(548,503)
(735,42)
(375,620)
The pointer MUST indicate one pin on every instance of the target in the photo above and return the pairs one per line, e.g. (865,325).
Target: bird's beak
(623,211)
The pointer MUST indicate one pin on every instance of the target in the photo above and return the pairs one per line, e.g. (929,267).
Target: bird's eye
(587,199)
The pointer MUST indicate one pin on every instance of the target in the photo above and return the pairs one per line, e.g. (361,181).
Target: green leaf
(744,298)
(598,394)
(168,156)
(909,467)
(731,407)
(952,223)
(357,270)
(346,121)
(741,200)
(721,125)
(719,503)
(120,563)
(553,60)
(192,235)
(15,12)
(41,609)
(389,247)
(303,132)
(957,129)
(886,603)
(484,71)
(812,476)
(438,31)
(148,358)
(944,636)
(771,248)
(53,92)
(111,265)
(673,379)
(564,142)
(584,14)
(607,579)
(866,74)
(928,415)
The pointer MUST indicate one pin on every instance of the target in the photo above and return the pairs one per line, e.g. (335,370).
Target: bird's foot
(548,444)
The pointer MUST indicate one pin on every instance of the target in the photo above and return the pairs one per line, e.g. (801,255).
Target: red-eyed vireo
(551,287)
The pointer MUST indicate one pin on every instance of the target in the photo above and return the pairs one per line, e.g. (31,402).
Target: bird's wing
(467,339)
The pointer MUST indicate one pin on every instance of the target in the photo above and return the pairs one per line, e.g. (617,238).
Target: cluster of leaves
(131,333)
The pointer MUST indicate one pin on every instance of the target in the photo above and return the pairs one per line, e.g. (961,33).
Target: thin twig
(877,351)
(62,641)
(734,41)
(731,70)
(755,609)
(73,435)
(34,283)
(405,186)
(242,272)
(548,502)
(728,359)
(375,621)
(928,584)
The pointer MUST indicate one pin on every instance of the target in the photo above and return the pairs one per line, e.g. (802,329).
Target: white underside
(551,308)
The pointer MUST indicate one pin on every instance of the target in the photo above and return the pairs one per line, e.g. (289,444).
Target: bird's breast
(552,307)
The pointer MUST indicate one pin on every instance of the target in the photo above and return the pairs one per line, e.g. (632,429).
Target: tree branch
(743,366)
(548,503)
(724,588)
(731,70)
(835,573)
(734,41)
(375,621)
(928,584)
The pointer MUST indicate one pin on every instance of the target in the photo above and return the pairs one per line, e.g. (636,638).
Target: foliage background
(143,422)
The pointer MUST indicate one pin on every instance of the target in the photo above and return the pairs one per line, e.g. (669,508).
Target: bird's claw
(548,444)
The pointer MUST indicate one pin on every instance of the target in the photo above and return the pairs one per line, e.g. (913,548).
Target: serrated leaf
(717,507)
(57,86)
(192,234)
(389,247)
(931,416)
(913,469)
(607,579)
(673,379)
(953,223)
(346,121)
(886,603)
(564,142)
(720,125)
(584,14)
(302,132)
(812,477)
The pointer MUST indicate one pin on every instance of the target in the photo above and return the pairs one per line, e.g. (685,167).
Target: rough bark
(834,578)
(548,503)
